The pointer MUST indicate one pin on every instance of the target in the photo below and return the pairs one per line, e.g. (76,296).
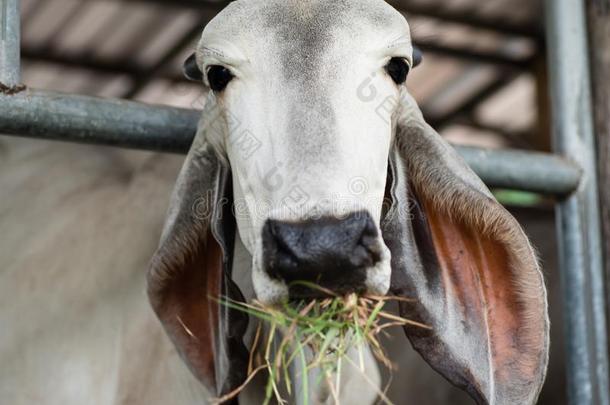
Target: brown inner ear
(191,310)
(470,269)
(476,274)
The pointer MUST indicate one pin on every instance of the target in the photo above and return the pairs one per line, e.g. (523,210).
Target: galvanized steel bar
(71,118)
(83,119)
(10,75)
(578,216)
(527,171)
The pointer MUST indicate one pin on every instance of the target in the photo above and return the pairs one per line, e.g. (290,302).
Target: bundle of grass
(327,328)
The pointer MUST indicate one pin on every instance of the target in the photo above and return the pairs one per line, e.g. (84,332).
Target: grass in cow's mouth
(328,328)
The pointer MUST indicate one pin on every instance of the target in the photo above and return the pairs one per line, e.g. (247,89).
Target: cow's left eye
(398,69)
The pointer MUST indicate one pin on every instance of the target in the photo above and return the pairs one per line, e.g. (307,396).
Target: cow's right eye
(219,77)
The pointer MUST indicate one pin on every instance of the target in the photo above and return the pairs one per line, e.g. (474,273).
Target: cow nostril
(334,253)
(366,253)
(369,241)
(286,259)
(281,248)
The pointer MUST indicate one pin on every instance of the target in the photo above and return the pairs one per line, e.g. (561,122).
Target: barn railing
(129,124)
(570,175)
(578,215)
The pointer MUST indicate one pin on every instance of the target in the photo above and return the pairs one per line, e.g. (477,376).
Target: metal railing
(83,119)
(570,175)
(578,217)
(10,73)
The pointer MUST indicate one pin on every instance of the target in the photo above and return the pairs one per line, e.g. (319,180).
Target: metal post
(578,215)
(10,75)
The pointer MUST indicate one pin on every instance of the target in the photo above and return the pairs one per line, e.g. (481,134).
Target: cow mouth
(303,292)
(317,332)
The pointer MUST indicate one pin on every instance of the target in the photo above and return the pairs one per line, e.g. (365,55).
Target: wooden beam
(433,11)
(466,108)
(93,64)
(468,54)
(517,140)
(206,5)
(599,36)
(189,37)
(542,136)
(496,24)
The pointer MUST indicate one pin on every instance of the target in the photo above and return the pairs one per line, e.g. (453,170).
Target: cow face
(311,144)
(305,122)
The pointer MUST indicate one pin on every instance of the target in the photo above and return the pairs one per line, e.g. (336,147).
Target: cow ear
(418,56)
(469,267)
(190,272)
(191,69)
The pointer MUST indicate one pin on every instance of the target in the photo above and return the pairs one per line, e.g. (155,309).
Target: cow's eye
(219,77)
(398,69)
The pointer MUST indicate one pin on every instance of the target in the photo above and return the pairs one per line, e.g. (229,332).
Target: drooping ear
(191,69)
(469,267)
(418,56)
(190,273)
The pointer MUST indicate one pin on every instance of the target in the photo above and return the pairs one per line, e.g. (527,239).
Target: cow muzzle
(332,253)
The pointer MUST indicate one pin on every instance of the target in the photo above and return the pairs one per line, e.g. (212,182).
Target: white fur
(306,123)
(334,159)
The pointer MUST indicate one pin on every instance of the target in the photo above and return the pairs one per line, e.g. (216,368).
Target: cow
(76,327)
(313,153)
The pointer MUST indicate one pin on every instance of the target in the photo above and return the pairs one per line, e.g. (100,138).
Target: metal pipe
(578,216)
(10,73)
(527,171)
(57,116)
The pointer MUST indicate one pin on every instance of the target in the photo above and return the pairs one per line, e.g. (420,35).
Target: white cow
(308,111)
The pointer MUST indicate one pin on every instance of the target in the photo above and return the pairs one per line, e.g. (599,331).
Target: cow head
(312,148)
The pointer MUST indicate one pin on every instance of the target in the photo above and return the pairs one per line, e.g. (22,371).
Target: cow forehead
(298,53)
(306,27)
